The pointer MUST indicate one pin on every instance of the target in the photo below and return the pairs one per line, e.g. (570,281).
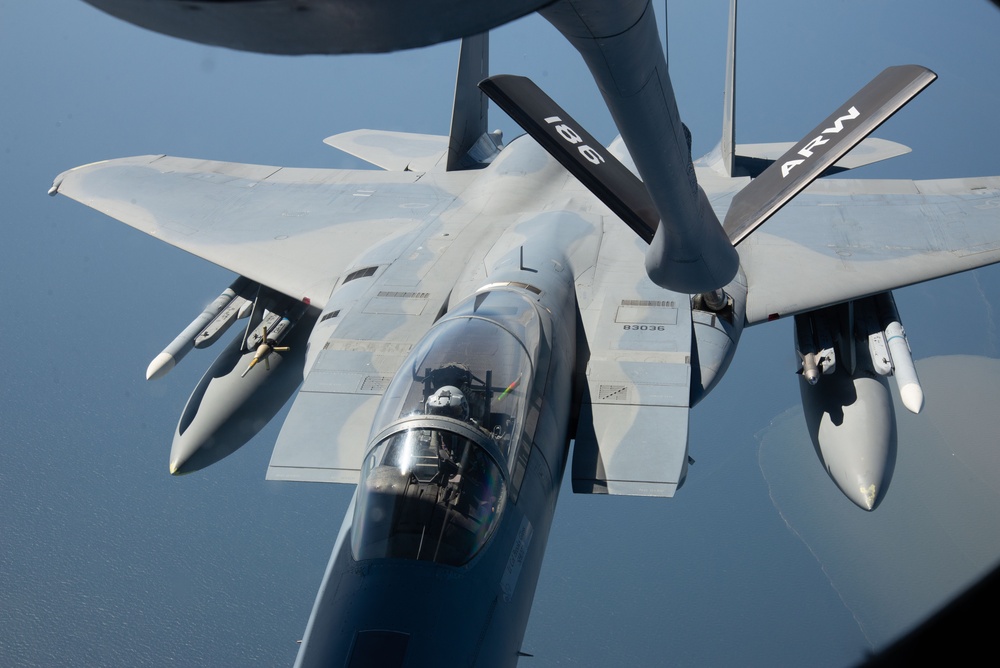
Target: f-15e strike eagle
(461,317)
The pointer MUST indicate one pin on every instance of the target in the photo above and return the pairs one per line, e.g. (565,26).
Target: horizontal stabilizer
(392,151)
(576,150)
(753,159)
(825,145)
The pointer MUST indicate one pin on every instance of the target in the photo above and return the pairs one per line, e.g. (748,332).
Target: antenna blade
(727,144)
(469,111)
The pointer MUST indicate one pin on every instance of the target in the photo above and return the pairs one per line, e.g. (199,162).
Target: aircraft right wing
(294,230)
(844,238)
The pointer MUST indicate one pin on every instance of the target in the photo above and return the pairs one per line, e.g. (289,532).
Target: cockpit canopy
(434,485)
(427,493)
(475,368)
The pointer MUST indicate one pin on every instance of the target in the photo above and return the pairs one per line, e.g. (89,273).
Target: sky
(105,559)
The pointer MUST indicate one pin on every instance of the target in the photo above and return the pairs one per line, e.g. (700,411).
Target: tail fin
(727,145)
(469,112)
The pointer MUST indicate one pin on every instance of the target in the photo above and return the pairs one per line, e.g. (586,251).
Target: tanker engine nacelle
(845,354)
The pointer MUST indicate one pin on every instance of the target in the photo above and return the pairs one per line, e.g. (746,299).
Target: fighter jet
(463,315)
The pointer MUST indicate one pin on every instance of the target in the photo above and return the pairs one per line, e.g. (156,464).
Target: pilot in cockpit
(449,402)
(446,401)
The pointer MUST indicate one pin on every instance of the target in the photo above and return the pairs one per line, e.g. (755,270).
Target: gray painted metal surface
(295,27)
(843,239)
(381,262)
(433,238)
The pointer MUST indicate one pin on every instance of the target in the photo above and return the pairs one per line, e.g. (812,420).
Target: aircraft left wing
(844,238)
(294,230)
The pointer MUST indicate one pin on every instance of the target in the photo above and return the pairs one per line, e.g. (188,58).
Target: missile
(904,371)
(810,368)
(184,342)
(237,309)
(257,337)
(265,349)
(267,338)
(281,329)
(814,347)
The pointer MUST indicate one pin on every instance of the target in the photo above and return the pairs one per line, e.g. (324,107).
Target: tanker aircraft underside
(456,320)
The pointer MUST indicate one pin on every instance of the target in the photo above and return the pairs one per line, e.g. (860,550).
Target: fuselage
(438,559)
(454,370)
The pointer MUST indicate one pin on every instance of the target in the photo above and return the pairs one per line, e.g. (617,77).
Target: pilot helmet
(448,401)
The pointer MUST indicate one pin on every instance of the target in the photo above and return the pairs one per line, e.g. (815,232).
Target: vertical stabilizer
(468,115)
(728,143)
